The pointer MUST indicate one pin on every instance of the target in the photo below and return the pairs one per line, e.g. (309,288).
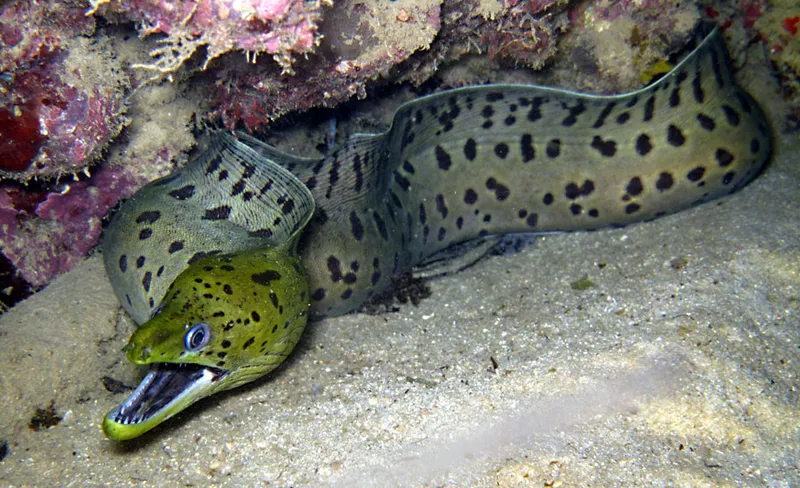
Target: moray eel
(222,264)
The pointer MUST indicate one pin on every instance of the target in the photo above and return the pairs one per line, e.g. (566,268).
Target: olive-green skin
(256,305)
(454,166)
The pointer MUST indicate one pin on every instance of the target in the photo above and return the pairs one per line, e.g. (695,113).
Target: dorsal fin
(355,172)
(229,198)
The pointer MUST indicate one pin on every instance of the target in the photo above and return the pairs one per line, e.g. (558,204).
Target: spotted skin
(454,166)
(501,159)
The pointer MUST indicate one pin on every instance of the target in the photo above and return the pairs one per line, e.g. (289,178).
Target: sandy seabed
(665,353)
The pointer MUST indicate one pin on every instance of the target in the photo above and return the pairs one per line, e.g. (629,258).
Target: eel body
(222,263)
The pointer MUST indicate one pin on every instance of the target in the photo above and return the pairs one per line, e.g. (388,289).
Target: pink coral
(44,234)
(282,28)
(58,114)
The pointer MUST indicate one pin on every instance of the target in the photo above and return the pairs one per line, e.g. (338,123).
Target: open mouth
(165,386)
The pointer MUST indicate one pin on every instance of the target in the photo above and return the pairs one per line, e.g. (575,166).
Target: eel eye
(197,337)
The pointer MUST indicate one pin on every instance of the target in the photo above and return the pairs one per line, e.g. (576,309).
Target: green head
(226,320)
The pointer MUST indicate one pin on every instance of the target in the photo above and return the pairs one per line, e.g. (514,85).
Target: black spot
(696,174)
(501,192)
(123,263)
(148,217)
(603,115)
(222,354)
(443,158)
(553,148)
(223,175)
(335,268)
(442,233)
(219,213)
(226,344)
(501,150)
(532,220)
(274,299)
(213,165)
(287,207)
(487,111)
(632,102)
(632,207)
(460,222)
(728,177)
(494,97)
(649,108)
(526,147)
(227,267)
(643,145)
(347,294)
(635,186)
(356,227)
(675,97)
(706,122)
(263,233)
(594,213)
(675,136)
(574,112)
(487,218)
(375,278)
(535,112)
(623,117)
(238,187)
(318,295)
(182,193)
(548,199)
(146,281)
(470,197)
(755,146)
(266,277)
(575,209)
(408,167)
(160,271)
(665,181)
(488,124)
(145,234)
(249,342)
(510,120)
(697,88)
(401,180)
(470,149)
(441,207)
(423,216)
(732,115)
(227,289)
(381,225)
(311,183)
(350,278)
(572,191)
(140,261)
(724,158)
(606,148)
